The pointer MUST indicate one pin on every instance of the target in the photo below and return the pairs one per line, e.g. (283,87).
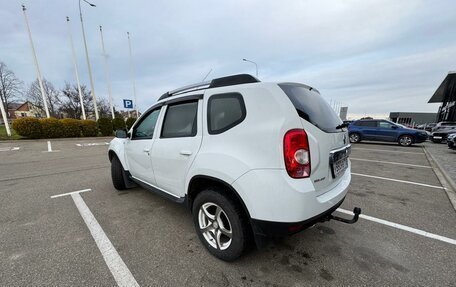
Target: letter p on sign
(128,104)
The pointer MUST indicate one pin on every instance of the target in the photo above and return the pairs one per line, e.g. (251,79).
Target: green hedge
(130,122)
(51,128)
(118,124)
(28,127)
(89,128)
(105,126)
(71,128)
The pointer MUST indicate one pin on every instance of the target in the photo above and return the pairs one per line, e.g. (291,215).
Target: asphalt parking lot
(47,241)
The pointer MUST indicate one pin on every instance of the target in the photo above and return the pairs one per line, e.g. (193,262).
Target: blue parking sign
(128,104)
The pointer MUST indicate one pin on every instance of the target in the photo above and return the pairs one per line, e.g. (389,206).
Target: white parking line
(116,265)
(384,150)
(402,227)
(50,147)
(398,180)
(390,162)
(92,144)
(69,193)
(10,148)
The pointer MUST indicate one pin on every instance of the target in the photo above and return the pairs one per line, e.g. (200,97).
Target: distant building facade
(410,118)
(446,94)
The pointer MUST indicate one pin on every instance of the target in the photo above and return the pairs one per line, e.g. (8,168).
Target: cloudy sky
(373,56)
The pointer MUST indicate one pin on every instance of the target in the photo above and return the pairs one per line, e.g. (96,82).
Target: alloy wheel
(405,140)
(215,226)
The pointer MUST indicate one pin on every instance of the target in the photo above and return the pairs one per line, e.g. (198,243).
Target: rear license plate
(339,167)
(339,161)
(438,138)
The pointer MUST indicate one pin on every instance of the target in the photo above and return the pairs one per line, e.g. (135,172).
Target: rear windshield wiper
(341,126)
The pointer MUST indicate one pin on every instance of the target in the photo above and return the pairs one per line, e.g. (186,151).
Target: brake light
(296,152)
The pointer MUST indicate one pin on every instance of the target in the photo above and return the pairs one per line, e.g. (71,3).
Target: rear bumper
(279,229)
(271,195)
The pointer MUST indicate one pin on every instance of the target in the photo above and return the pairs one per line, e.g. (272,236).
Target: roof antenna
(207,75)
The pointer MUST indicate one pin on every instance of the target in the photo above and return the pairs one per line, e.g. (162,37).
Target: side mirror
(394,127)
(121,134)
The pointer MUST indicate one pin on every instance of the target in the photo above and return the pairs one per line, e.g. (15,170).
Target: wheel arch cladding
(200,182)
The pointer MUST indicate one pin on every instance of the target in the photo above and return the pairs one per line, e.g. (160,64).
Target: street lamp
(73,52)
(37,66)
(256,66)
(92,88)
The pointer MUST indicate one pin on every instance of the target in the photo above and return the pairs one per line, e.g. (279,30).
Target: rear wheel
(405,140)
(355,138)
(117,174)
(220,224)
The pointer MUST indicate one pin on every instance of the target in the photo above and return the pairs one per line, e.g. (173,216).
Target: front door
(138,148)
(386,131)
(176,147)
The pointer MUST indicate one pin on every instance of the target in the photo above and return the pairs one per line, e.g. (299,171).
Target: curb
(446,181)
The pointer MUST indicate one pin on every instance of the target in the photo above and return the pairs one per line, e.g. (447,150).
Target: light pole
(92,88)
(37,67)
(256,66)
(132,75)
(5,118)
(108,81)
(76,68)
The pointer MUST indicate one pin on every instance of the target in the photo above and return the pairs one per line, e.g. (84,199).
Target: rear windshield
(312,107)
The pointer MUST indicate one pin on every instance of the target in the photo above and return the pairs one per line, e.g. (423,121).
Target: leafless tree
(10,86)
(53,97)
(71,103)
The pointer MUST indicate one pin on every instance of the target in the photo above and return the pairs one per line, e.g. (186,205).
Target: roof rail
(215,83)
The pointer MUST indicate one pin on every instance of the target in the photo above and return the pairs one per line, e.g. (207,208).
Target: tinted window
(372,124)
(385,125)
(224,112)
(312,107)
(180,120)
(145,128)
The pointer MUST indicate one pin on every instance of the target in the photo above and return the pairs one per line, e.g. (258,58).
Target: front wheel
(355,138)
(220,224)
(405,140)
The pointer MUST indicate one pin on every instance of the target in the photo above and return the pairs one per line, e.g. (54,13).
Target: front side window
(145,129)
(385,125)
(180,120)
(224,112)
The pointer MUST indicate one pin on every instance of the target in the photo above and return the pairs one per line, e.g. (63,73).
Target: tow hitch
(356,211)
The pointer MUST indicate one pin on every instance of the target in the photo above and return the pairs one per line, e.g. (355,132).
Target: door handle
(147,150)
(185,152)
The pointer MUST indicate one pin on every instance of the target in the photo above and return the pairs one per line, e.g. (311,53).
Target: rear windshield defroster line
(312,107)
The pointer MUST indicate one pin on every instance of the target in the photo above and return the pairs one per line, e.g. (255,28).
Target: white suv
(251,160)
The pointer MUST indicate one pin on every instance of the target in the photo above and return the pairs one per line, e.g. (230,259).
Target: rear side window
(312,107)
(371,124)
(225,111)
(180,120)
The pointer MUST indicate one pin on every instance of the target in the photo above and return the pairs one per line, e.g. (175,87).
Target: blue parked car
(383,130)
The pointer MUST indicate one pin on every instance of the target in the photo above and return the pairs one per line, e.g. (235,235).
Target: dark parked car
(441,134)
(442,125)
(383,130)
(451,141)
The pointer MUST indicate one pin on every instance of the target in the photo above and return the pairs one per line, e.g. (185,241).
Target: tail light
(296,152)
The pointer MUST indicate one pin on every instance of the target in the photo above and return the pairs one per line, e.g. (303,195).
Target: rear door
(370,130)
(328,144)
(176,147)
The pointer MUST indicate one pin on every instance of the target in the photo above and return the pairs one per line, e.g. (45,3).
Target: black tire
(406,140)
(354,137)
(240,232)
(117,174)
